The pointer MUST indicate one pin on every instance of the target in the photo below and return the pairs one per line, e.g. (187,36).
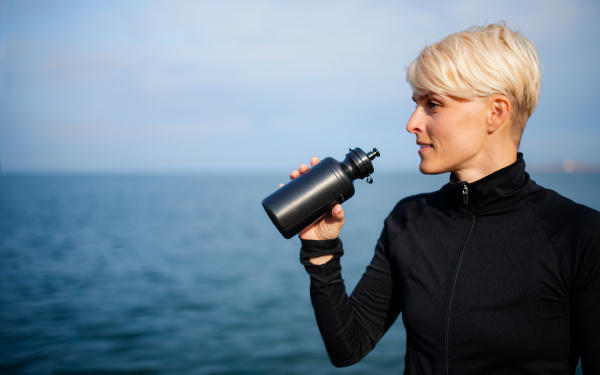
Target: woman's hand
(328,226)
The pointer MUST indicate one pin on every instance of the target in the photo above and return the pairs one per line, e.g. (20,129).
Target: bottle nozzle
(373,154)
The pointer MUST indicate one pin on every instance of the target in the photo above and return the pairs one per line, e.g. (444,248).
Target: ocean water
(180,274)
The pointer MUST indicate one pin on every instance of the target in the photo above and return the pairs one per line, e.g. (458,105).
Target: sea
(181,274)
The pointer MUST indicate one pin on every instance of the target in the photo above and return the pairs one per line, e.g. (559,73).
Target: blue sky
(252,86)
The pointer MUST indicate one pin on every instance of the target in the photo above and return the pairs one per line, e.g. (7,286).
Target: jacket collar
(503,188)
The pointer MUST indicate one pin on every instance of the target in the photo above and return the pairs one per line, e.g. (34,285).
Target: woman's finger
(280,185)
(337,213)
(303,169)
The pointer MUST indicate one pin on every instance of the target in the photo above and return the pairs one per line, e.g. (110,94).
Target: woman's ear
(500,108)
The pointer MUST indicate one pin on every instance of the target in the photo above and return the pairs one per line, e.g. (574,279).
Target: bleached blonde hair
(479,62)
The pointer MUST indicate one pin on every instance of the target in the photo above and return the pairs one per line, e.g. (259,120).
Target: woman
(492,273)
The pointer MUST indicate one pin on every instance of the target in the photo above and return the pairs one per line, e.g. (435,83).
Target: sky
(261,86)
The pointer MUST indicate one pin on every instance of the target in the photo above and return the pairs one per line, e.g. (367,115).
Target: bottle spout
(373,154)
(358,164)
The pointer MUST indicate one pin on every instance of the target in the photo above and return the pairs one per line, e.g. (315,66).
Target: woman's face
(450,131)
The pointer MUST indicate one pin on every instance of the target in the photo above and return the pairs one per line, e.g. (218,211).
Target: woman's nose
(415,123)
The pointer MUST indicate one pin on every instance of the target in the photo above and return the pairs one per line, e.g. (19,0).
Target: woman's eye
(433,105)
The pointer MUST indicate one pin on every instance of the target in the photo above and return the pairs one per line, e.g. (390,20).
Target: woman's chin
(427,168)
(423,168)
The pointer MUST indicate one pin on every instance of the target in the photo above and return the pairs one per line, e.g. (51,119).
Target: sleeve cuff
(314,248)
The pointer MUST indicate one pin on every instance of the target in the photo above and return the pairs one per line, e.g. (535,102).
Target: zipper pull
(465,194)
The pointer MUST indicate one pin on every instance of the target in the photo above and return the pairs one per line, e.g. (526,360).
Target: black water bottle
(303,200)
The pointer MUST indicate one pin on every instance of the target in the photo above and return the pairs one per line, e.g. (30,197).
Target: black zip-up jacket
(498,276)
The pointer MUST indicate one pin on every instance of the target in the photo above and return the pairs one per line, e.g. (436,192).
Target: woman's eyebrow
(421,97)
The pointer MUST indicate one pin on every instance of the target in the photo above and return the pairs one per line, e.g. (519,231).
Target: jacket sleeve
(352,326)
(585,295)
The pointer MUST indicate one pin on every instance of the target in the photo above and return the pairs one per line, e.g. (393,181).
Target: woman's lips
(424,148)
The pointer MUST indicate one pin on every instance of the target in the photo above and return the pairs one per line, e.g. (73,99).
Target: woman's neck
(487,162)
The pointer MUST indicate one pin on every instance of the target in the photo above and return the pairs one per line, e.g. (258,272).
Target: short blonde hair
(479,62)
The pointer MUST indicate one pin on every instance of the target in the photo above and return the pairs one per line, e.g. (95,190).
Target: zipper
(465,193)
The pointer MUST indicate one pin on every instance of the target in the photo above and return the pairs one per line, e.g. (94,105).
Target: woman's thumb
(337,213)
